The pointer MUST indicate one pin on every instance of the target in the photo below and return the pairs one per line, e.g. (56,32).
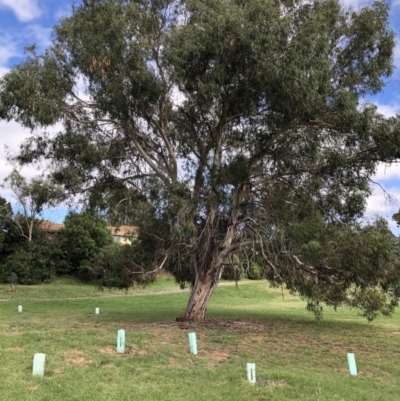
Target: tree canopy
(80,240)
(5,216)
(229,118)
(32,198)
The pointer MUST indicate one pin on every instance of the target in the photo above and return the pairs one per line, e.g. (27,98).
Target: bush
(255,272)
(234,271)
(31,264)
(82,239)
(119,266)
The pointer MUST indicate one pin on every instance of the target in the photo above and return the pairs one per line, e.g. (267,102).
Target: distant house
(49,227)
(121,234)
(124,234)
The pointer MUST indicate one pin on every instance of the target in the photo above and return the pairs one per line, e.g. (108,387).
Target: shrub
(234,271)
(255,272)
(31,264)
(82,239)
(119,266)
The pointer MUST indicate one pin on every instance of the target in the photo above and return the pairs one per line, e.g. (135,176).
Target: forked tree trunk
(209,274)
(204,285)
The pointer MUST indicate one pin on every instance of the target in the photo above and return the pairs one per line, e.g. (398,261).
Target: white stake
(351,359)
(19,308)
(97,311)
(193,343)
(121,341)
(38,364)
(251,373)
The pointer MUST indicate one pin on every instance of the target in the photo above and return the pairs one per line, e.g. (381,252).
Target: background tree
(81,239)
(32,262)
(220,114)
(32,198)
(122,266)
(5,219)
(23,261)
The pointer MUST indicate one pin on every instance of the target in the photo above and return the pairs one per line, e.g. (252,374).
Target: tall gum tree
(228,116)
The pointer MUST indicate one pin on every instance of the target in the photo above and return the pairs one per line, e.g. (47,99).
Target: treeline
(83,248)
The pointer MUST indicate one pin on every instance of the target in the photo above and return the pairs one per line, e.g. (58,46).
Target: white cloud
(385,198)
(12,43)
(387,172)
(62,12)
(396,55)
(356,3)
(25,10)
(8,49)
(380,204)
(388,110)
(38,34)
(12,135)
(6,52)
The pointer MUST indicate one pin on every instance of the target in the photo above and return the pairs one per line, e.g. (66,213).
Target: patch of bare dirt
(365,374)
(33,387)
(15,349)
(135,351)
(359,373)
(276,383)
(109,350)
(59,372)
(75,357)
(173,362)
(216,355)
(341,370)
(238,326)
(166,337)
(12,332)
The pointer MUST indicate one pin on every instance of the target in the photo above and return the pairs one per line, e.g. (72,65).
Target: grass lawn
(297,358)
(69,287)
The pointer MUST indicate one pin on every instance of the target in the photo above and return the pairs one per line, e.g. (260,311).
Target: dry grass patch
(276,383)
(15,349)
(214,355)
(233,326)
(34,387)
(167,337)
(110,350)
(129,351)
(11,332)
(75,357)
(175,363)
(137,352)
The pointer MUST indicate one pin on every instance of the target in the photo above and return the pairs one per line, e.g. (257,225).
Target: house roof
(50,227)
(119,231)
(124,231)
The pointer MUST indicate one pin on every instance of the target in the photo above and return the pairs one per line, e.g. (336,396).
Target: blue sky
(24,22)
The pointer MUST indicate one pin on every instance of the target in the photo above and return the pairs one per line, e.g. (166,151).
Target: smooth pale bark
(202,289)
(208,276)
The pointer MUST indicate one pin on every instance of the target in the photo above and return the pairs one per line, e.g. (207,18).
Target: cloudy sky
(24,22)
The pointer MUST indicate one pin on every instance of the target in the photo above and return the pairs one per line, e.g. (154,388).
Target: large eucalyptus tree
(228,116)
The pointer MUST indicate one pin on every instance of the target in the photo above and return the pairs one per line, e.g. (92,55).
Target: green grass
(69,287)
(297,358)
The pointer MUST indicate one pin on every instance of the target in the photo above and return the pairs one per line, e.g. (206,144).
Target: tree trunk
(210,266)
(202,289)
